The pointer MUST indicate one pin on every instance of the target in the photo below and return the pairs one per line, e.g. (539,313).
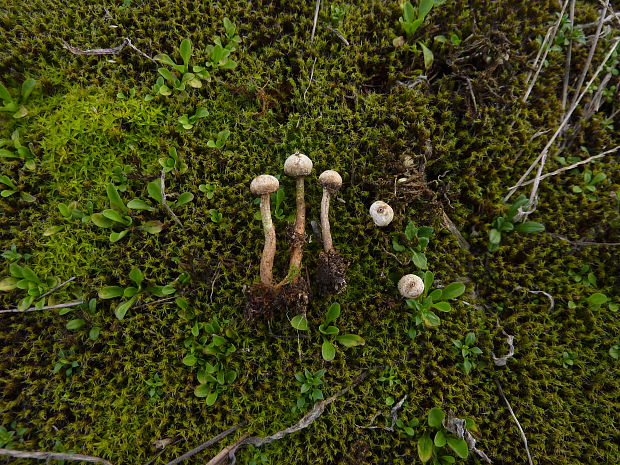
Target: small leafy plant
(65,364)
(277,206)
(16,105)
(153,189)
(15,149)
(390,378)
(469,352)
(337,14)
(172,162)
(187,122)
(119,177)
(568,359)
(588,188)
(220,140)
(413,18)
(436,299)
(11,189)
(215,215)
(208,189)
(310,388)
(115,218)
(418,238)
(78,323)
(614,351)
(22,277)
(434,449)
(9,436)
(583,276)
(329,332)
(210,351)
(133,293)
(407,427)
(155,383)
(170,80)
(508,223)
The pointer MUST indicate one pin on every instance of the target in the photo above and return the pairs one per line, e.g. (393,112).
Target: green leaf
(139,204)
(411,231)
(300,323)
(117,236)
(167,74)
(470,339)
(99,220)
(154,190)
(419,259)
(161,291)
(435,417)
(212,398)
(529,227)
(77,323)
(333,312)
(396,246)
(21,112)
(328,351)
(440,439)
(136,276)
(165,59)
(328,330)
(442,306)
(184,198)
(186,51)
(30,275)
(93,334)
(53,230)
(350,340)
(114,216)
(428,279)
(408,12)
(459,446)
(595,299)
(8,284)
(122,309)
(425,7)
(202,113)
(4,94)
(495,237)
(152,227)
(430,319)
(425,448)
(115,200)
(428,56)
(452,290)
(189,360)
(202,390)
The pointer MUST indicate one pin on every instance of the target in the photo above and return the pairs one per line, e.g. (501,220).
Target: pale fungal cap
(264,184)
(298,164)
(382,214)
(330,180)
(411,286)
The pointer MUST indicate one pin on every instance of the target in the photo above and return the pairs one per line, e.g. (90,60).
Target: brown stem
(325,232)
(269,251)
(297,250)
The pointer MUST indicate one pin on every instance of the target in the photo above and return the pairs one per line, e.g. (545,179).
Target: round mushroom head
(264,184)
(382,214)
(411,286)
(297,165)
(330,180)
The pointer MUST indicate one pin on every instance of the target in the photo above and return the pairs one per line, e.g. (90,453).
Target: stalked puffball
(382,214)
(410,286)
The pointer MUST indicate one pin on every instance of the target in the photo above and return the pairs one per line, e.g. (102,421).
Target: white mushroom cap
(330,180)
(382,214)
(410,286)
(298,164)
(264,184)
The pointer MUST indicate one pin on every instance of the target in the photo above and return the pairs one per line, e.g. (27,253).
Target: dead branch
(207,444)
(501,361)
(527,449)
(568,168)
(52,456)
(49,307)
(226,450)
(106,51)
(317,7)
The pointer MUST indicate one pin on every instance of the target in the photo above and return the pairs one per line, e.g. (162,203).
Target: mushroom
(332,266)
(298,166)
(411,286)
(331,182)
(264,185)
(382,214)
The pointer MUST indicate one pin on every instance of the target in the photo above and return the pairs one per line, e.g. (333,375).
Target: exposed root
(331,272)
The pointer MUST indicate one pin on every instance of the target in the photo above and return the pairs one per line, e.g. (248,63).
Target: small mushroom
(264,185)
(332,266)
(298,166)
(410,286)
(331,182)
(382,214)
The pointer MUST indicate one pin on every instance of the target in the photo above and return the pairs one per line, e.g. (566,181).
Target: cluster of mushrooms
(267,298)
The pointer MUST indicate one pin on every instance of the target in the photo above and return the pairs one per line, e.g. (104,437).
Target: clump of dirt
(331,271)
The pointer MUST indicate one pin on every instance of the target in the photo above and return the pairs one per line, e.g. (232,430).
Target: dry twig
(527,449)
(47,456)
(501,361)
(106,51)
(163,199)
(569,51)
(49,307)
(317,7)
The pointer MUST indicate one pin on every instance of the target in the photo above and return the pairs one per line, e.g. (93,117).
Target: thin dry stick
(316,18)
(545,150)
(571,15)
(548,47)
(57,287)
(574,165)
(311,77)
(49,307)
(207,444)
(339,35)
(156,302)
(224,452)
(163,199)
(306,421)
(106,51)
(527,449)
(597,35)
(52,456)
(546,294)
(542,47)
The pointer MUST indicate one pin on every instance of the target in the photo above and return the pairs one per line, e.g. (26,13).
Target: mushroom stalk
(326,234)
(269,251)
(300,227)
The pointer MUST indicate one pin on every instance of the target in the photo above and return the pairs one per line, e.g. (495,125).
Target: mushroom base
(260,302)
(293,296)
(330,275)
